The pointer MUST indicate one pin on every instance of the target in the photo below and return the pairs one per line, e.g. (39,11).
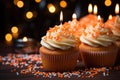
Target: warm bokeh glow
(110,17)
(29,14)
(95,11)
(15,2)
(63,4)
(74,16)
(8,37)
(20,4)
(117,8)
(37,1)
(51,8)
(90,8)
(108,2)
(14,29)
(25,39)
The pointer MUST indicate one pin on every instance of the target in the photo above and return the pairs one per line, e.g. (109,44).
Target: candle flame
(74,16)
(25,39)
(95,9)
(99,18)
(61,16)
(117,9)
(90,8)
(110,17)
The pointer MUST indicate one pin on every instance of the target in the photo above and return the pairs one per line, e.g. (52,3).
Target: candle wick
(60,22)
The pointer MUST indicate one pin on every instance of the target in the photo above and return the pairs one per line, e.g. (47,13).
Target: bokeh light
(8,37)
(29,15)
(14,29)
(63,4)
(108,2)
(20,4)
(25,39)
(37,1)
(51,8)
(15,2)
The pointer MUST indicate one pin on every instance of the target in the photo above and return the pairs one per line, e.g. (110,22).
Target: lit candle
(74,16)
(26,45)
(25,39)
(110,17)
(117,9)
(61,17)
(95,10)
(90,8)
(99,18)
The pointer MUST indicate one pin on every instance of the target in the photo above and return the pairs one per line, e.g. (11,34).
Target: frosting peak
(114,25)
(60,37)
(97,36)
(117,21)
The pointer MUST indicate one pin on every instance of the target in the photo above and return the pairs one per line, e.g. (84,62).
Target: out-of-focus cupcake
(86,21)
(58,51)
(89,19)
(114,25)
(98,48)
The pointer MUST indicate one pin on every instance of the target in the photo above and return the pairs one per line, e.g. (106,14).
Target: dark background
(11,15)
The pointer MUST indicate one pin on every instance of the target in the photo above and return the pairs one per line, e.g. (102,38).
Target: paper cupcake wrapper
(79,57)
(59,62)
(100,58)
(118,55)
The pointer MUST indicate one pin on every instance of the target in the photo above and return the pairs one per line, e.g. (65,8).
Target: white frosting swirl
(97,36)
(58,37)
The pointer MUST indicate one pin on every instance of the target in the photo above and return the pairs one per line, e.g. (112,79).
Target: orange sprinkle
(41,67)
(46,74)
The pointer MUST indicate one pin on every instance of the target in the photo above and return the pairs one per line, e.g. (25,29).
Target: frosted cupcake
(58,51)
(77,30)
(114,25)
(98,48)
(89,19)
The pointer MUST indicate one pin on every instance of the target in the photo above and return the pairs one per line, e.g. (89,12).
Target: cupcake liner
(118,55)
(79,57)
(98,57)
(61,62)
(77,45)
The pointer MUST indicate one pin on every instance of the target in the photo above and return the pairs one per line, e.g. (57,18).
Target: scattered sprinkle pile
(31,64)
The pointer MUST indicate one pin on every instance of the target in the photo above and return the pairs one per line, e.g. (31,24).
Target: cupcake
(77,30)
(114,25)
(58,51)
(98,48)
(83,22)
(89,19)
